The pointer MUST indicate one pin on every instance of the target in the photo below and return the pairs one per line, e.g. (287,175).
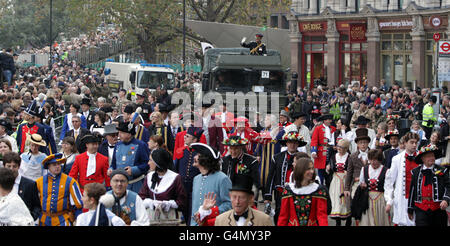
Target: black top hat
(86,101)
(361,120)
(129,109)
(206,150)
(161,158)
(325,117)
(163,108)
(5,124)
(362,134)
(427,149)
(297,115)
(242,183)
(127,127)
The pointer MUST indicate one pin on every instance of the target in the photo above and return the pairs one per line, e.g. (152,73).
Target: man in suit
(393,138)
(78,133)
(25,188)
(67,124)
(173,129)
(88,114)
(357,161)
(106,148)
(90,166)
(243,214)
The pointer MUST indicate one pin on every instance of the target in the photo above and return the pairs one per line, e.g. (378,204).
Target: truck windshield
(241,80)
(151,80)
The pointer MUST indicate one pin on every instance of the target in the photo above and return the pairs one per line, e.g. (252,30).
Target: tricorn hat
(161,158)
(206,150)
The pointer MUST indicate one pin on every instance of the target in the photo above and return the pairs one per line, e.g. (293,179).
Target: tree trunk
(149,49)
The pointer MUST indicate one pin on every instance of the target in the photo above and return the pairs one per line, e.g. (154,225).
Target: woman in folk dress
(338,168)
(372,178)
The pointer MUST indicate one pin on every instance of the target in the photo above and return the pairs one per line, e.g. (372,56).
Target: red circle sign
(436,37)
(445,46)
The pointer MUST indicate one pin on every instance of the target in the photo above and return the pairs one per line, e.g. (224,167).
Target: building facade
(342,41)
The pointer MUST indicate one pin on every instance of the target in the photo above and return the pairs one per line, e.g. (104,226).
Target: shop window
(396,59)
(352,60)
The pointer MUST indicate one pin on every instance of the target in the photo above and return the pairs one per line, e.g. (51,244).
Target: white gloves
(165,205)
(243,40)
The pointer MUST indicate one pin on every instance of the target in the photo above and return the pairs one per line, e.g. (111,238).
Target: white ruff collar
(166,181)
(306,190)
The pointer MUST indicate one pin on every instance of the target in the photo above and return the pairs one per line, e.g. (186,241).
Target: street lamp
(183,69)
(50,37)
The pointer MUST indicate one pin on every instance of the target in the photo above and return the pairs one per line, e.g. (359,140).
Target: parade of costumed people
(362,150)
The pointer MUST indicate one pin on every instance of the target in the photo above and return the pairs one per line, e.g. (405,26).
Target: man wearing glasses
(78,133)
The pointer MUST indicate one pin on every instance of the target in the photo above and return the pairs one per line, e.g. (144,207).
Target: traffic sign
(436,36)
(435,21)
(444,48)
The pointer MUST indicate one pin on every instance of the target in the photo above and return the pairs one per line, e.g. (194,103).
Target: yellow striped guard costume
(59,195)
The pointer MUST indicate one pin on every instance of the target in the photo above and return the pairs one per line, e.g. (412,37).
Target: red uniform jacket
(179,144)
(318,209)
(319,145)
(79,169)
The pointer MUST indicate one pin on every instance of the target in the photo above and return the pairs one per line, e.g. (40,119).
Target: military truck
(230,70)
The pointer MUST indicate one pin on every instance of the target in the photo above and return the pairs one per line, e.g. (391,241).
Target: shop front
(352,51)
(314,53)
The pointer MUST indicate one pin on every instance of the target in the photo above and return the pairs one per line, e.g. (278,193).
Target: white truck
(137,77)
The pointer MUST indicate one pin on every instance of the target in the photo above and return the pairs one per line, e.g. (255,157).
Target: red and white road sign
(436,36)
(444,47)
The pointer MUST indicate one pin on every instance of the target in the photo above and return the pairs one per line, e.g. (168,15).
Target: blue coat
(50,140)
(219,183)
(134,154)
